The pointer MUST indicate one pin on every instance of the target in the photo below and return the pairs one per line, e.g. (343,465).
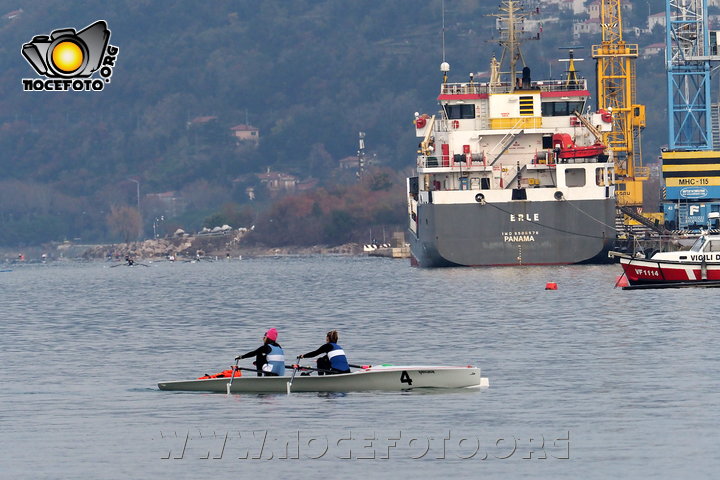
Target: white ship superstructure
(511,171)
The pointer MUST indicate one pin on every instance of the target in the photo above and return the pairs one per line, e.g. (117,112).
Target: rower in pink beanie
(272,334)
(269,357)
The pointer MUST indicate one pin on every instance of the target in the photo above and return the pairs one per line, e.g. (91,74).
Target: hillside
(307,74)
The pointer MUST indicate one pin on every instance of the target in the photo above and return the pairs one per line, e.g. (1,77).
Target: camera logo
(68,59)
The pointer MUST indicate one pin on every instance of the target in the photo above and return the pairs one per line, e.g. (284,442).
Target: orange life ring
(456,124)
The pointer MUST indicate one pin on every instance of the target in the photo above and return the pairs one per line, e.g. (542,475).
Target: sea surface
(586,381)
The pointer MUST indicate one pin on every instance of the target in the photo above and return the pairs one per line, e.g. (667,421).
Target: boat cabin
(705,249)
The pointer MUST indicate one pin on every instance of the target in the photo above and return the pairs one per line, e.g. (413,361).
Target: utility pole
(137,182)
(361,154)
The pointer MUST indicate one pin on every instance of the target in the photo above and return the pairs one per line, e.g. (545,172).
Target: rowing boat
(371,378)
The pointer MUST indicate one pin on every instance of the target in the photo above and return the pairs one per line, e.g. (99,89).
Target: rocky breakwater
(220,243)
(158,248)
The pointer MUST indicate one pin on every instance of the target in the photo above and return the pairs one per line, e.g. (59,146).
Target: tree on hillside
(125,221)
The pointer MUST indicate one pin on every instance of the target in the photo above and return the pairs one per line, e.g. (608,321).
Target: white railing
(481,88)
(437,161)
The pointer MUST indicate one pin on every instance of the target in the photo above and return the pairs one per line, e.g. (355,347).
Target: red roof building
(245,133)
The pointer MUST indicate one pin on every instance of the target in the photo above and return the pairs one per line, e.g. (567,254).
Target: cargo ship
(512,170)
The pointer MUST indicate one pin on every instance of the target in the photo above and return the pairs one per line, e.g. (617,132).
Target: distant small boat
(386,378)
(371,247)
(699,266)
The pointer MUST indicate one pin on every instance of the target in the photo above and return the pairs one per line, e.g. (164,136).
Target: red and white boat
(699,266)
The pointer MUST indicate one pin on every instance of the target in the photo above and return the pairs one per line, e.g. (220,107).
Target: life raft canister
(223,374)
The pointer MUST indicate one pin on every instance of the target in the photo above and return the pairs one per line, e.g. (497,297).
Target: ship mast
(510,25)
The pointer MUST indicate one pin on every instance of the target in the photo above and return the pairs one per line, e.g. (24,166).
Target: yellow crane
(616,94)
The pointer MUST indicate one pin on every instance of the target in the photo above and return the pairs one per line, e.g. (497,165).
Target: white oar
(292,377)
(233,376)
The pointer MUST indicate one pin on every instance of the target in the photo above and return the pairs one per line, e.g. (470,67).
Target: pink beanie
(271,334)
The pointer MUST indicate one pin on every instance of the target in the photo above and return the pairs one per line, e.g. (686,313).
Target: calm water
(630,378)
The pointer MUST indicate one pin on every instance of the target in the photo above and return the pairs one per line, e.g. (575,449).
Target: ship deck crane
(616,79)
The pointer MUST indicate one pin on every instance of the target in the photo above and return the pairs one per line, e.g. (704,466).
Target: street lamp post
(137,182)
(156,224)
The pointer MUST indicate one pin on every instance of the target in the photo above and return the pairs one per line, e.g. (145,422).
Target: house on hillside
(592,26)
(348,163)
(577,6)
(653,49)
(245,133)
(588,27)
(656,19)
(278,182)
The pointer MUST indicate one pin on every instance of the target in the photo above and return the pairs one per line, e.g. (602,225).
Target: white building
(656,19)
(588,27)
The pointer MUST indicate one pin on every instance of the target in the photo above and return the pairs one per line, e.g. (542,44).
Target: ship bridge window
(575,177)
(458,112)
(714,246)
(561,109)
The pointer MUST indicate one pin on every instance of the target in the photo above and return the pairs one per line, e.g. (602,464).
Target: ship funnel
(526,78)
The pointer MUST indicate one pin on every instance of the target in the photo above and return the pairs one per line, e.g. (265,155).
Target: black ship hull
(513,233)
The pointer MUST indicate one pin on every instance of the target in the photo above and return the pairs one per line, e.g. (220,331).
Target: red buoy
(551,286)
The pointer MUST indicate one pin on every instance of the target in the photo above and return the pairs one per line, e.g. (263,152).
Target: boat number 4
(405,378)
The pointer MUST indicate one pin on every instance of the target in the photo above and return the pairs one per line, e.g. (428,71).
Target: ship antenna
(444,66)
(571,78)
(443,30)
(510,24)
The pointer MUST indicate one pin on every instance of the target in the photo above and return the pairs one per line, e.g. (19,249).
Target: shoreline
(228,244)
(191,247)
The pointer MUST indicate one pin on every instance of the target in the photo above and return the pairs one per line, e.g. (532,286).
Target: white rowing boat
(371,378)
